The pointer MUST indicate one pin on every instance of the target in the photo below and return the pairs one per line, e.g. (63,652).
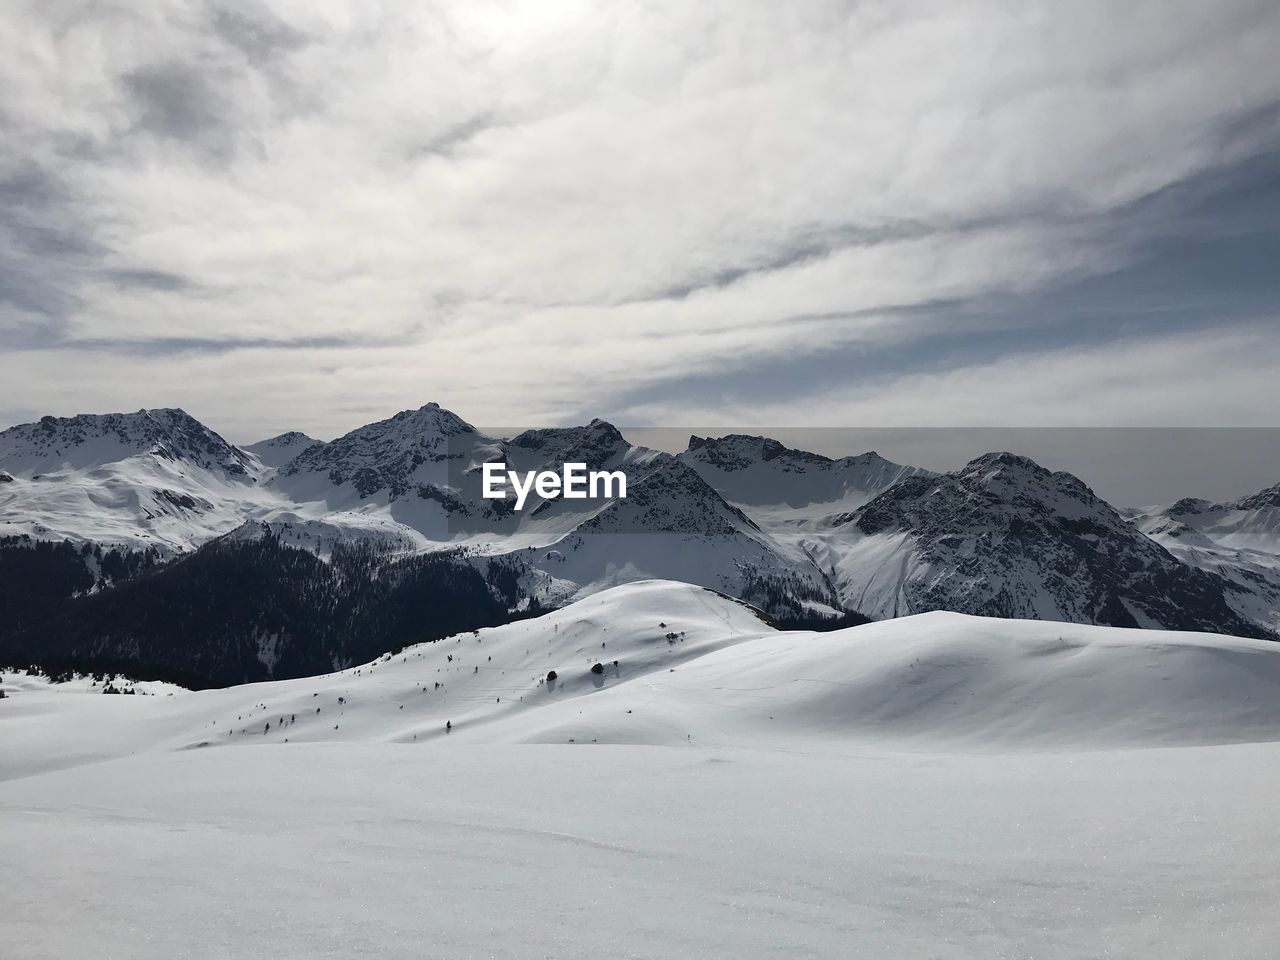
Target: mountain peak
(395,455)
(1004,459)
(737,451)
(606,430)
(278,450)
(1269,497)
(1003,536)
(432,416)
(288,438)
(594,444)
(86,439)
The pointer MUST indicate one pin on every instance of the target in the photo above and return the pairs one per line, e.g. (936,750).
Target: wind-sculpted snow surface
(655,771)
(683,664)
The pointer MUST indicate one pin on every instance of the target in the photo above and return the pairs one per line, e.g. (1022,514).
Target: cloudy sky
(312,214)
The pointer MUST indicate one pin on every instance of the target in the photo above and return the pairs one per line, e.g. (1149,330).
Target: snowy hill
(657,662)
(937,786)
(1005,537)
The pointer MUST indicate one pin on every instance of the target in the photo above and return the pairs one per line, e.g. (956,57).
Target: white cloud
(573,199)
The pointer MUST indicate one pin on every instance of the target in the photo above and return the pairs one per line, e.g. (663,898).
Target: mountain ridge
(808,537)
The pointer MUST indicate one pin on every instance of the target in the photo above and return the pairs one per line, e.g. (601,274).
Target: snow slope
(933,786)
(680,663)
(330,851)
(936,786)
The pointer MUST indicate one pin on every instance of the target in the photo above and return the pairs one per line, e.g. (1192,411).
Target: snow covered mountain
(672,524)
(392,457)
(1238,540)
(155,478)
(279,450)
(420,471)
(804,536)
(405,487)
(780,485)
(395,481)
(1248,523)
(1005,537)
(90,440)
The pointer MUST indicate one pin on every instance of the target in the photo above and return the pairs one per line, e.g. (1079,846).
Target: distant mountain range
(137,523)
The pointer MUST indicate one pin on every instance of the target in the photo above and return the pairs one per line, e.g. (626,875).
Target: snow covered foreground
(936,786)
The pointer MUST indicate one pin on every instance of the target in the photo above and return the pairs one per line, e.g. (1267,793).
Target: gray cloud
(42,248)
(257,33)
(176,346)
(445,142)
(150,279)
(184,102)
(1208,249)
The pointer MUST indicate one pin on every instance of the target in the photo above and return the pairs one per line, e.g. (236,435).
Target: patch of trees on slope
(238,610)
